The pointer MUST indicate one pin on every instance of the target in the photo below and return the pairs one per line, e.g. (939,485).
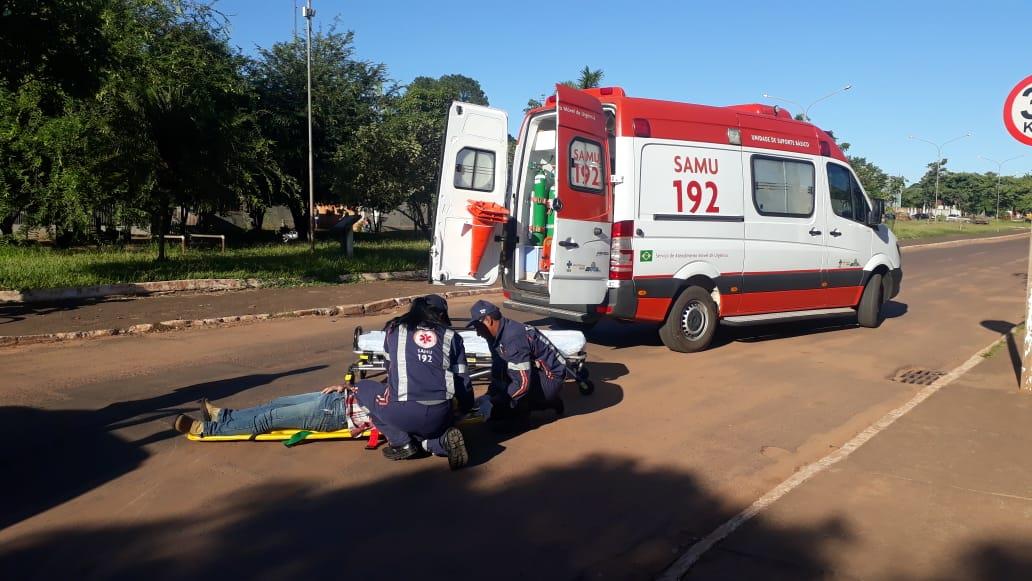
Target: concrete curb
(965,241)
(173,286)
(352,310)
(142,288)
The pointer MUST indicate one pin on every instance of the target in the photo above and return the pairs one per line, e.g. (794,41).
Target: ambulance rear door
(583,206)
(472,169)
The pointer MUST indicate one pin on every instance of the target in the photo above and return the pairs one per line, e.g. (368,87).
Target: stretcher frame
(374,363)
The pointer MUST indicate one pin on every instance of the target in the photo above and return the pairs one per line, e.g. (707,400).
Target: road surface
(669,446)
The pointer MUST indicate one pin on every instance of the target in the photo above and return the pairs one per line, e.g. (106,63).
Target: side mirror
(877,214)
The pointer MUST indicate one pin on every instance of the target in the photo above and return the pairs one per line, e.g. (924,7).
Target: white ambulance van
(679,214)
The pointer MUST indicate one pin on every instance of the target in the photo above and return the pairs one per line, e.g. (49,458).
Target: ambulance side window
(783,187)
(474,169)
(847,198)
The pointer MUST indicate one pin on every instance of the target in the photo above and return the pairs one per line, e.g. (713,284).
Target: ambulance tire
(868,312)
(691,323)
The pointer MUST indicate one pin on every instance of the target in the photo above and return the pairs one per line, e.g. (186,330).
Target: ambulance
(683,215)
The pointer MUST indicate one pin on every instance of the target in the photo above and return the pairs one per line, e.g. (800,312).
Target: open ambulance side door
(583,207)
(473,167)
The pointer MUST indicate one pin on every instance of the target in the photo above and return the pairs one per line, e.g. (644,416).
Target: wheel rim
(694,320)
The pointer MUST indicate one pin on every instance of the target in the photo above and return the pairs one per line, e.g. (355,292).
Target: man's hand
(334,388)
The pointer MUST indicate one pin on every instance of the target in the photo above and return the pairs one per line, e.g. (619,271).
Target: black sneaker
(405,452)
(455,444)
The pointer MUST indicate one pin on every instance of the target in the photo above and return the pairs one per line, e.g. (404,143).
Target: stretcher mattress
(569,342)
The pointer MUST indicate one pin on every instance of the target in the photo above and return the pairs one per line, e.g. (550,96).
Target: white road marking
(681,566)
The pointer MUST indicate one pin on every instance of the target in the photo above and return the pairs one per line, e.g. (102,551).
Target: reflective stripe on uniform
(525,366)
(458,368)
(449,380)
(402,364)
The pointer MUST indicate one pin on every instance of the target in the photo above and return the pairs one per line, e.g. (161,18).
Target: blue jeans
(308,411)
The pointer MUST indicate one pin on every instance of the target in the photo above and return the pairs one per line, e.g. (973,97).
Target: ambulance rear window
(474,169)
(783,187)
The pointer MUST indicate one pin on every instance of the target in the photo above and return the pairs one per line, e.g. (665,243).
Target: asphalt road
(668,447)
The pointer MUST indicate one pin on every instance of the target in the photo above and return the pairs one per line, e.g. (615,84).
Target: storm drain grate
(917,376)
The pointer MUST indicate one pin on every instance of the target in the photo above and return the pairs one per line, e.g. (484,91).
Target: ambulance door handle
(568,244)
(815,232)
(835,232)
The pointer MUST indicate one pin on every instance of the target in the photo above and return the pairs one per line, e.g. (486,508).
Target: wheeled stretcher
(372,358)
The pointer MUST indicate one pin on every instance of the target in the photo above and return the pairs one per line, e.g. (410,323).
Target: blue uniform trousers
(402,421)
(542,393)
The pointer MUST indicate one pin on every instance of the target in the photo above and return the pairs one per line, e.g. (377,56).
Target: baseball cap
(481,309)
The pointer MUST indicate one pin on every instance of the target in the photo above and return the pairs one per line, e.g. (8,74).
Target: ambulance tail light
(621,253)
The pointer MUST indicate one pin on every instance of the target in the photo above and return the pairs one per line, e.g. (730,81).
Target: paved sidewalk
(944,493)
(123,312)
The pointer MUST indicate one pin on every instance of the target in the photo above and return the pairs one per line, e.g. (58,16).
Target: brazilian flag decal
(645,256)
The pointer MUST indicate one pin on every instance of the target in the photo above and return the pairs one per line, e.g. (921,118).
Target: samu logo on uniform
(426,339)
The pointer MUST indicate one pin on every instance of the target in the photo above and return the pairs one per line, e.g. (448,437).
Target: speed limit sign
(1017,112)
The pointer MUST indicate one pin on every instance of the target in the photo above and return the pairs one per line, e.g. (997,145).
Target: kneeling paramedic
(528,371)
(427,369)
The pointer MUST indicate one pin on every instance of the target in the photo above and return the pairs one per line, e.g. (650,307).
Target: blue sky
(932,69)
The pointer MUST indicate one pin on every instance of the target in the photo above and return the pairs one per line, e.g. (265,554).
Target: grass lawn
(926,229)
(28,267)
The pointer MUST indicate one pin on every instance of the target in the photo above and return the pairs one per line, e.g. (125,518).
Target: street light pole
(999,177)
(806,110)
(308,13)
(938,163)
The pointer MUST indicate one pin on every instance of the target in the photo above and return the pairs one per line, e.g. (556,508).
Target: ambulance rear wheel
(691,323)
(868,312)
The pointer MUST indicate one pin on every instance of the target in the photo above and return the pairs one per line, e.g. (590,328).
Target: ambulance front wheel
(868,312)
(691,322)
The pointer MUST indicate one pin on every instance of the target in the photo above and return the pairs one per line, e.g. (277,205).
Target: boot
(184,424)
(209,413)
(409,450)
(455,444)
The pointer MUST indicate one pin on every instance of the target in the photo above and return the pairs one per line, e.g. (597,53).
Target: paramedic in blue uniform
(528,371)
(427,369)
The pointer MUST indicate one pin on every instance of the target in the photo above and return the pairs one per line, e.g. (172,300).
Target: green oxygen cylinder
(550,224)
(538,209)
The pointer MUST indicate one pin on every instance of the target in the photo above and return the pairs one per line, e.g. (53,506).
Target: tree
(589,78)
(177,113)
(874,181)
(347,94)
(416,123)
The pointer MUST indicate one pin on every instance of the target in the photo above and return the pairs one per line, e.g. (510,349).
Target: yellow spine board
(280,435)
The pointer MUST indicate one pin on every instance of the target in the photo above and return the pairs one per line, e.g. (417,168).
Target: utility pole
(805,111)
(308,13)
(938,163)
(999,179)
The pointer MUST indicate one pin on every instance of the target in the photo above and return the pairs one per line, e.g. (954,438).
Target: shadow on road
(52,456)
(11,313)
(604,517)
(1005,328)
(487,439)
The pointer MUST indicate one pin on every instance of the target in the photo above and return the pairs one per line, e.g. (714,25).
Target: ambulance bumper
(538,304)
